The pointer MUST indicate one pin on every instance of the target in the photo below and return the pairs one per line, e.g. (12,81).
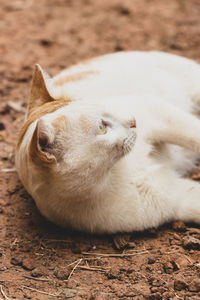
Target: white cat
(78,154)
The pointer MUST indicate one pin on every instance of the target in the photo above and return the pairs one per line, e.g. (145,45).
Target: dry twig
(16,106)
(8,170)
(74,268)
(36,279)
(74,262)
(3,293)
(57,241)
(94,268)
(38,291)
(114,254)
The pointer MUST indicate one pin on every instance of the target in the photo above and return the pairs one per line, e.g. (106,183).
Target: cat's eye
(102,129)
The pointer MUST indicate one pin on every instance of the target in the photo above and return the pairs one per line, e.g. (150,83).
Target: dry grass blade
(74,262)
(56,241)
(8,170)
(38,291)
(114,254)
(3,293)
(74,268)
(94,268)
(37,279)
(16,106)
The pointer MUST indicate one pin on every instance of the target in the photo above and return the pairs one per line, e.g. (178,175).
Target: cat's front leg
(174,126)
(187,201)
(165,197)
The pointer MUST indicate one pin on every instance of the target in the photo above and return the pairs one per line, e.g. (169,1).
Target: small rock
(118,47)
(194,286)
(62,274)
(156,296)
(72,284)
(37,272)
(4,110)
(113,273)
(156,289)
(123,10)
(28,264)
(168,268)
(189,242)
(2,126)
(157,282)
(46,43)
(179,226)
(69,293)
(179,285)
(16,261)
(151,260)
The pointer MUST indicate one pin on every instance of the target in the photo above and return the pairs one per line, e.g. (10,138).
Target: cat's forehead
(76,113)
(70,119)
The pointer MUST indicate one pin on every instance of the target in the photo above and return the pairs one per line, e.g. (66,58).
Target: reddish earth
(37,259)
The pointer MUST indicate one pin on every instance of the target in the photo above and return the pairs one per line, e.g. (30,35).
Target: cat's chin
(129,143)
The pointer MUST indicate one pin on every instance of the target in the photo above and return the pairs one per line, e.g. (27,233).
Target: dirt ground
(37,259)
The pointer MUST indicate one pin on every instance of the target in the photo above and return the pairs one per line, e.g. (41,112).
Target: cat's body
(79,174)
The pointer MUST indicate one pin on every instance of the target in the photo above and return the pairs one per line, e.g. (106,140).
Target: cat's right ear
(39,93)
(41,148)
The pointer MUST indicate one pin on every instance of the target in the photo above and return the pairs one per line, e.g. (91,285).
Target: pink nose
(133,123)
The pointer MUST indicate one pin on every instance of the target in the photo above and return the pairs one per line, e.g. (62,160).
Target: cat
(107,142)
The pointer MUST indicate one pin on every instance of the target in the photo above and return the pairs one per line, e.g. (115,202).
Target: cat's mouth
(129,143)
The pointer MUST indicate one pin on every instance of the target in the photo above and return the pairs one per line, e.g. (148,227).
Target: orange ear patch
(74,77)
(38,113)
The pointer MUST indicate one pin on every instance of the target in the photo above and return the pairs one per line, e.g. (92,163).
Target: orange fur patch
(58,121)
(38,113)
(74,77)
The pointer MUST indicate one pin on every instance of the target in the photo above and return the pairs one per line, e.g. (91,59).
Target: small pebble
(189,242)
(28,264)
(179,285)
(194,286)
(179,226)
(16,260)
(62,274)
(151,260)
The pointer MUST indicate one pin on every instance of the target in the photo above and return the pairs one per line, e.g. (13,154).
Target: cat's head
(77,139)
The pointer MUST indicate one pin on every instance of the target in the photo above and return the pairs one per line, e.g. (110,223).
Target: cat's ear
(41,148)
(39,93)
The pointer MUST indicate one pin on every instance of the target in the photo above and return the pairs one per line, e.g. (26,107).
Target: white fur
(95,187)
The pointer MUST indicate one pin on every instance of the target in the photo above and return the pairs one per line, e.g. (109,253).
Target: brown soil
(39,260)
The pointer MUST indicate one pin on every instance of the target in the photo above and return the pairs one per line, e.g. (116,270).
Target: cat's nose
(132,123)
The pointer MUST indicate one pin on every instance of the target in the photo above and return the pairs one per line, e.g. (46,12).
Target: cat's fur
(106,183)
